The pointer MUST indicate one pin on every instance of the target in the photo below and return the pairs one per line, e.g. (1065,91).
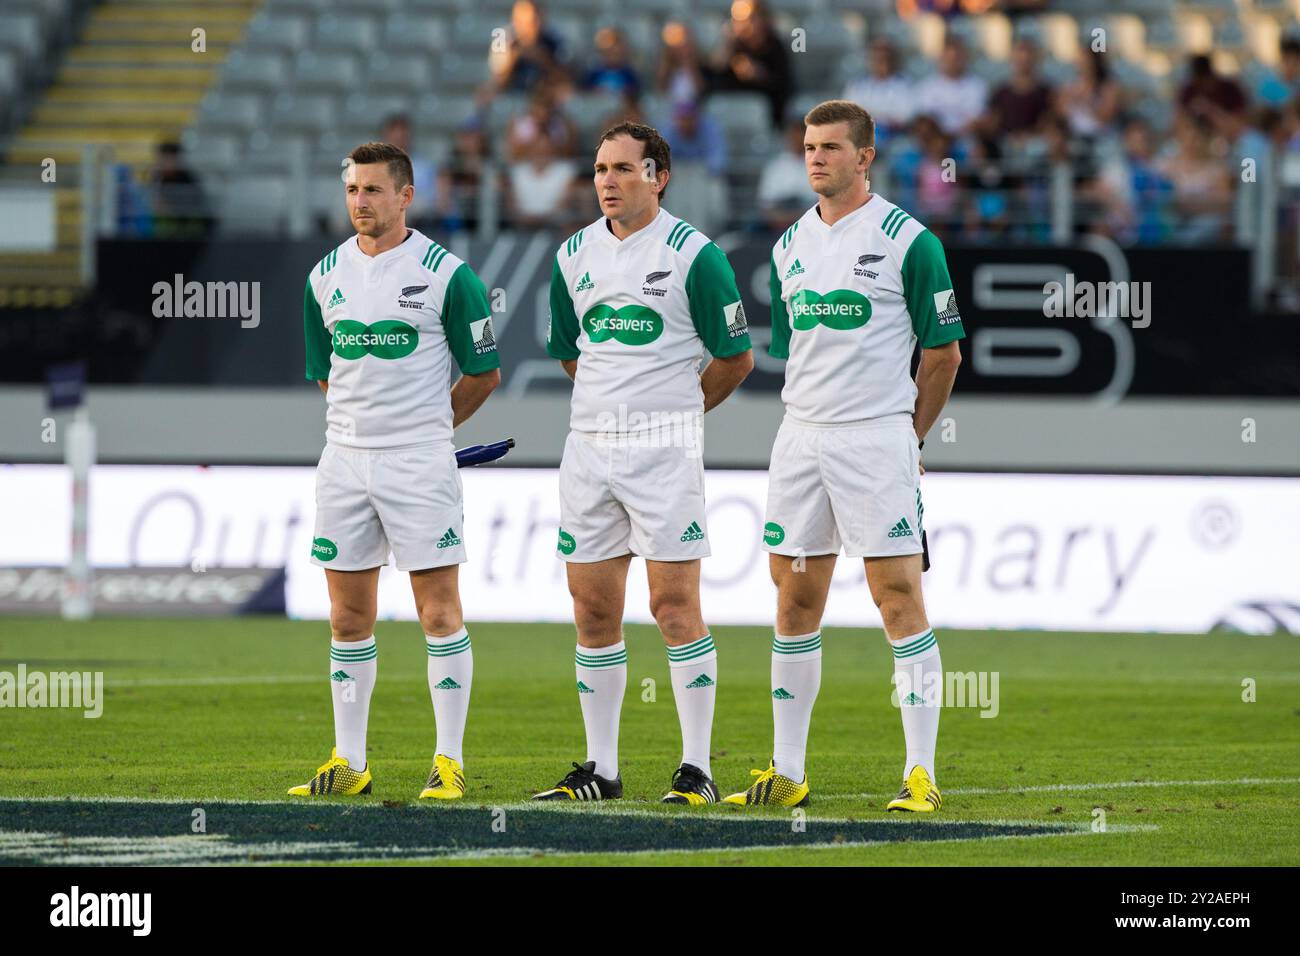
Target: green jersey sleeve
(716,309)
(562,329)
(319,344)
(467,320)
(780,345)
(927,289)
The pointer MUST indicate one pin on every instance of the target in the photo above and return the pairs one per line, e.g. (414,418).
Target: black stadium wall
(1188,331)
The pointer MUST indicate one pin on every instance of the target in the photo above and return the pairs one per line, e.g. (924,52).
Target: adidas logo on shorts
(693,532)
(449,540)
(901,530)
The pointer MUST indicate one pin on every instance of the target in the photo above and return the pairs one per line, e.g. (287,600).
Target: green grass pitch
(223,715)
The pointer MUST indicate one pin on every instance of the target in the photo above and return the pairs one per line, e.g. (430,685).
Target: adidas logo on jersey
(584,283)
(446,684)
(901,530)
(795,270)
(693,533)
(335,299)
(702,681)
(449,540)
(782,694)
(584,689)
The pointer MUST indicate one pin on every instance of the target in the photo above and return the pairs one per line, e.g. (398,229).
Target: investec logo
(208,300)
(389,339)
(841,309)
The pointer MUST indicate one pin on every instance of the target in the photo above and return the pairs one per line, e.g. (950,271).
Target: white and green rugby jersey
(638,315)
(383,330)
(849,304)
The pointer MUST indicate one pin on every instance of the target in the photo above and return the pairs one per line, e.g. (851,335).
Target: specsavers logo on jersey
(389,339)
(841,309)
(631,325)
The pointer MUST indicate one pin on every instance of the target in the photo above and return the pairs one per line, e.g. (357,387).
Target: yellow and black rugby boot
(582,783)
(692,786)
(446,780)
(335,778)
(772,789)
(919,794)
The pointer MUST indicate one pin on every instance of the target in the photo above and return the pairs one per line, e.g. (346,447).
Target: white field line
(1085,787)
(215,681)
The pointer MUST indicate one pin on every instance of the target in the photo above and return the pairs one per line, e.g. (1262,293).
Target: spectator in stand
(953,96)
(987,205)
(1277,88)
(938,197)
(180,207)
(1091,101)
(422,212)
(753,57)
(680,75)
(783,193)
(1207,96)
(462,176)
(542,122)
(694,136)
(1202,186)
(884,92)
(541,186)
(614,72)
(1018,107)
(533,53)
(1132,191)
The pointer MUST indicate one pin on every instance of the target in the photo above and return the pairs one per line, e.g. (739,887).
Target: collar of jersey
(863,213)
(414,241)
(607,234)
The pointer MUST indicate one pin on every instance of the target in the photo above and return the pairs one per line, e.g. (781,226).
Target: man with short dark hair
(856,285)
(637,298)
(384,315)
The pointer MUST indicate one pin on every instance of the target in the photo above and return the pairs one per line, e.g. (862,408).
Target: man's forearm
(722,376)
(469,394)
(324,385)
(934,378)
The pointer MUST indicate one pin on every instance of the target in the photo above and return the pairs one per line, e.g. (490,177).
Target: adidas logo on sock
(913,698)
(449,540)
(693,532)
(341,676)
(901,530)
(584,689)
(446,684)
(701,681)
(782,694)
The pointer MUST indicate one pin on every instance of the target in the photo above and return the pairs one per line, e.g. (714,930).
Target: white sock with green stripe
(602,680)
(693,669)
(918,678)
(353,665)
(796,678)
(451,672)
